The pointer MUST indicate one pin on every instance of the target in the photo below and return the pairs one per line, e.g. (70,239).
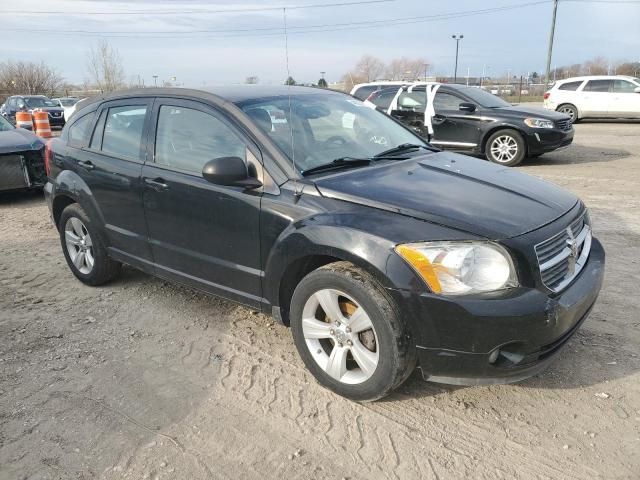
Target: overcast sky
(252,42)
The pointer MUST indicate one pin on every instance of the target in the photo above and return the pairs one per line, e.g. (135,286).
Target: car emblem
(572,243)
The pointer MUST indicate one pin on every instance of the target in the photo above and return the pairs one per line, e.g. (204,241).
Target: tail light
(47,157)
(546,95)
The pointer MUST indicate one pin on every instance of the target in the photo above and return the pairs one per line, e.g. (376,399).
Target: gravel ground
(143,379)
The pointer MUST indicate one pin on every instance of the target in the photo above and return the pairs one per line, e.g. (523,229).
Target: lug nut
(348,329)
(349,342)
(340,345)
(332,332)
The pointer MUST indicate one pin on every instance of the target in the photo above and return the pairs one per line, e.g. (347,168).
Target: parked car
(21,158)
(595,97)
(468,119)
(362,90)
(29,103)
(378,250)
(67,104)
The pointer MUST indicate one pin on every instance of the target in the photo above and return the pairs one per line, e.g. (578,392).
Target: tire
(385,349)
(570,110)
(78,235)
(505,147)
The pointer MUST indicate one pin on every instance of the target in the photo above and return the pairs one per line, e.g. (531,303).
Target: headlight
(457,268)
(538,123)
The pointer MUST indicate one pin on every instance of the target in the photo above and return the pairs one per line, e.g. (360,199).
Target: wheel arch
(70,188)
(492,130)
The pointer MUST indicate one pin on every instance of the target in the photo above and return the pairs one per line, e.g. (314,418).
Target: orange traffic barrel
(23,120)
(41,121)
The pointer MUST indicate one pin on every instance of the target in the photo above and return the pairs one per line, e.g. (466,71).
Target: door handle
(438,119)
(86,164)
(156,183)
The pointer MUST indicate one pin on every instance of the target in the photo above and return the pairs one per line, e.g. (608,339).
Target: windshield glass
(482,98)
(5,125)
(326,127)
(38,102)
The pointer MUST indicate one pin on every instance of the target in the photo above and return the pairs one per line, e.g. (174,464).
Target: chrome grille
(564,124)
(561,257)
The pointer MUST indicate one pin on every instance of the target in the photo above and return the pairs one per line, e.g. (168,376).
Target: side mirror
(637,89)
(230,171)
(467,107)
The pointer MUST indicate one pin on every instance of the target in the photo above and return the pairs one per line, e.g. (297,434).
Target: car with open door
(378,250)
(470,120)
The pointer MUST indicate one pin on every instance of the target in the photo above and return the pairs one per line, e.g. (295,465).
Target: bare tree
(406,68)
(104,66)
(29,78)
(369,67)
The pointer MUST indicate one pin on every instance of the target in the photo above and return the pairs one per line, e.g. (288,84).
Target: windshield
(326,127)
(482,98)
(38,102)
(5,125)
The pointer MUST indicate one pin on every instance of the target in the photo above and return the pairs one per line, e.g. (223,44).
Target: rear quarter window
(79,131)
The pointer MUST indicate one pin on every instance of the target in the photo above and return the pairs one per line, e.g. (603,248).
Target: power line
(276,31)
(197,12)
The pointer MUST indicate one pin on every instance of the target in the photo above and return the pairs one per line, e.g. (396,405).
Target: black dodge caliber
(379,251)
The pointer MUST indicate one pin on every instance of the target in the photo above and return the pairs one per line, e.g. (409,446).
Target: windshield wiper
(342,162)
(404,147)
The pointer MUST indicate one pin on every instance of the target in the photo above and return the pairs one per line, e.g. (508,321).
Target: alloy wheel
(79,245)
(569,111)
(340,336)
(504,148)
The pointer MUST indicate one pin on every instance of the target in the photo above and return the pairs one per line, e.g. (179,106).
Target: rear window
(598,86)
(363,92)
(573,86)
(622,86)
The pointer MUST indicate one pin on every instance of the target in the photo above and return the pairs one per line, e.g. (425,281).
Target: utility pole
(551,35)
(457,38)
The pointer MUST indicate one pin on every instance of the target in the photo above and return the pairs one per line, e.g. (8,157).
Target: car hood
(456,191)
(48,109)
(19,140)
(526,111)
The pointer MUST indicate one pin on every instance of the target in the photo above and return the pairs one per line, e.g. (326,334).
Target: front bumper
(502,339)
(547,140)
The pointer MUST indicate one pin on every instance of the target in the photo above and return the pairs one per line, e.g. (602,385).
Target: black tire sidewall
(382,315)
(103,266)
(522,147)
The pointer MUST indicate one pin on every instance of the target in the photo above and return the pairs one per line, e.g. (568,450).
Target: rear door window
(573,86)
(363,92)
(598,86)
(383,99)
(123,130)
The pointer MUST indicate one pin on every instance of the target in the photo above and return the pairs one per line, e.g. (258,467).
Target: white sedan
(595,97)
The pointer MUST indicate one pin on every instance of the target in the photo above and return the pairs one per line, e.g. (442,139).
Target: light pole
(155,80)
(551,35)
(426,66)
(457,38)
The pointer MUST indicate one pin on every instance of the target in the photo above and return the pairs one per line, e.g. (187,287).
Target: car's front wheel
(83,249)
(506,147)
(349,333)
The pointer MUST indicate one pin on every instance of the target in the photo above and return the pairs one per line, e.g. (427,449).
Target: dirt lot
(143,379)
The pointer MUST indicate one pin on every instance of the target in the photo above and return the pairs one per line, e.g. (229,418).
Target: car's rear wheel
(506,147)
(570,110)
(83,248)
(349,333)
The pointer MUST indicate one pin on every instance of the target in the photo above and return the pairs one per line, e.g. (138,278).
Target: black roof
(232,93)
